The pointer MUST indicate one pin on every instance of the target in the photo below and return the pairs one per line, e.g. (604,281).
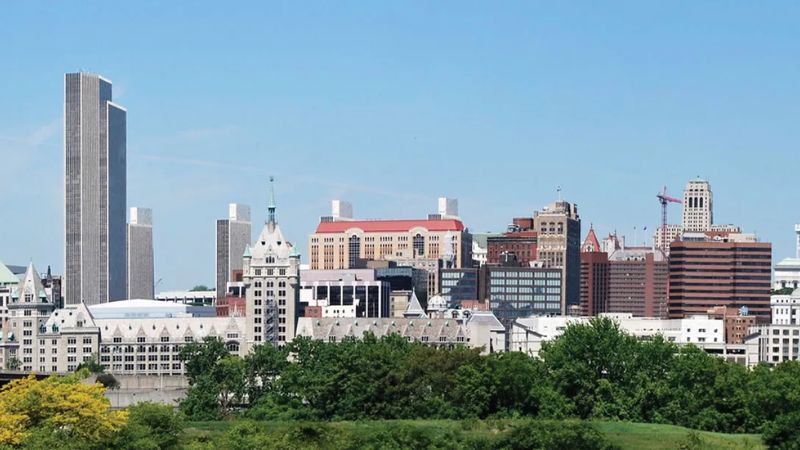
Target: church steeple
(271,202)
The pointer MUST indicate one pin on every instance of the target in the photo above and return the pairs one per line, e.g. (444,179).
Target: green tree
(262,367)
(108,381)
(200,287)
(230,381)
(91,365)
(590,364)
(13,363)
(151,426)
(783,433)
(202,358)
(202,400)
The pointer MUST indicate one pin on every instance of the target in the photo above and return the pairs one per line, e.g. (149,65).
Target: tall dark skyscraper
(95,191)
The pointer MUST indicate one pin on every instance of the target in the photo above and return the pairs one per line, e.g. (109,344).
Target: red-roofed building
(349,244)
(441,240)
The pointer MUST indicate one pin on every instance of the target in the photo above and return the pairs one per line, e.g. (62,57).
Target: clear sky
(392,104)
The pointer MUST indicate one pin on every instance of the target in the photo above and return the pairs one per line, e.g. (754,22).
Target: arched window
(232,346)
(419,245)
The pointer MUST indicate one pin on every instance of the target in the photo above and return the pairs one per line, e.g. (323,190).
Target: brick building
(706,272)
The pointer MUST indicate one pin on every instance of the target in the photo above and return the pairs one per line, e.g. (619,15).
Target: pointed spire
(271,201)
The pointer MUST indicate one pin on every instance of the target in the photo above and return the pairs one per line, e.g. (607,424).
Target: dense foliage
(56,413)
(594,371)
(245,435)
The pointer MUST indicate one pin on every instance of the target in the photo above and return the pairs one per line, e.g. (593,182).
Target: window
(419,245)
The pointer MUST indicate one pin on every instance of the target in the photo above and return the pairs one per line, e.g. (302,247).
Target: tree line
(593,371)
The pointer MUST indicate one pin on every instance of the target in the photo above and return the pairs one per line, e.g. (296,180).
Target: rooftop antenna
(271,201)
(558,190)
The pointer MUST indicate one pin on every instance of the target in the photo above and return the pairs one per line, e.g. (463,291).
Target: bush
(783,433)
(107,380)
(554,435)
(151,426)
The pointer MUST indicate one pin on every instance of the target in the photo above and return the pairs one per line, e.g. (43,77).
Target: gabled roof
(390,226)
(414,308)
(7,276)
(271,243)
(31,284)
(591,243)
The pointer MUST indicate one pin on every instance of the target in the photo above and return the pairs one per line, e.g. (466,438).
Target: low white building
(787,274)
(528,334)
(786,308)
(774,343)
(779,341)
(479,330)
(206,298)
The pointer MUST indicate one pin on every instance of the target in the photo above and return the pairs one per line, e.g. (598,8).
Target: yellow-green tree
(61,408)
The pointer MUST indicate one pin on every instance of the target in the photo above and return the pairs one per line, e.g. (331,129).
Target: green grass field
(627,436)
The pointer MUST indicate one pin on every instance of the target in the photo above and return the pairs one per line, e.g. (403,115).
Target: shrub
(783,433)
(554,435)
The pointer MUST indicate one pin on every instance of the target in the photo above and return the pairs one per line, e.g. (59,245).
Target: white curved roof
(136,303)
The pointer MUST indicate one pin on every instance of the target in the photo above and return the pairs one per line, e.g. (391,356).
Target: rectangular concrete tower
(95,191)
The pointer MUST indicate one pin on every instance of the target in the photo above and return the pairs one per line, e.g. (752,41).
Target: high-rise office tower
(698,212)
(95,191)
(140,254)
(706,272)
(233,235)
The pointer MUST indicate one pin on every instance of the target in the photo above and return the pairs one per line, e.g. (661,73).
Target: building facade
(708,273)
(345,293)
(786,309)
(559,246)
(8,282)
(271,272)
(638,283)
(233,235)
(698,211)
(141,282)
(29,307)
(479,330)
(95,191)
(458,285)
(515,292)
(522,243)
(787,271)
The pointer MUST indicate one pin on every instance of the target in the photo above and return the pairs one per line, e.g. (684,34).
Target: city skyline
(628,129)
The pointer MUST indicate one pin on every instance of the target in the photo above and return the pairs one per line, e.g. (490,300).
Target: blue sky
(392,104)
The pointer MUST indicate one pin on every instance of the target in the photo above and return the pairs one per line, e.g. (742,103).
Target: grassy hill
(668,437)
(633,436)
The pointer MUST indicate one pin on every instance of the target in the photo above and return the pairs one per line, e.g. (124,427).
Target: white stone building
(28,310)
(528,334)
(786,309)
(480,330)
(271,270)
(129,337)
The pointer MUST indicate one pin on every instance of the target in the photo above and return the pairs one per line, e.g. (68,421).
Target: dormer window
(28,298)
